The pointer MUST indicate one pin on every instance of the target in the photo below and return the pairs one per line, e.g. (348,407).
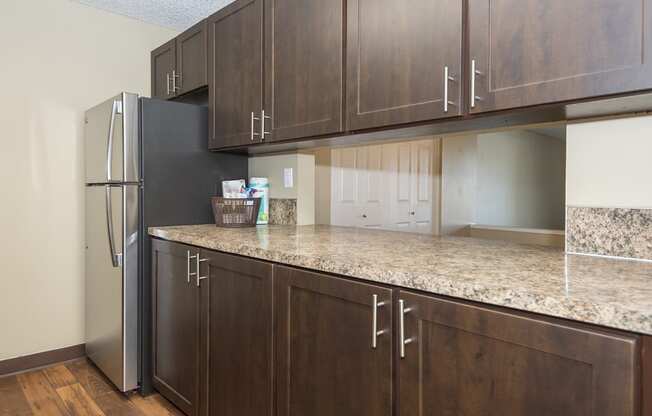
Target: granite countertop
(610,292)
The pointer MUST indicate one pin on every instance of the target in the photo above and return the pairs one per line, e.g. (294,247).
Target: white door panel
(386,186)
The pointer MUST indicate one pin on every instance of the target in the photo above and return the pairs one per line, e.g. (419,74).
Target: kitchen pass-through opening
(507,185)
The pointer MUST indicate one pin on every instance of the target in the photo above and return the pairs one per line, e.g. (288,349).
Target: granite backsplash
(619,232)
(282,211)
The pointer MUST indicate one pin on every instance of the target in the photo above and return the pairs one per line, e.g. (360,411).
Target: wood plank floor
(75,388)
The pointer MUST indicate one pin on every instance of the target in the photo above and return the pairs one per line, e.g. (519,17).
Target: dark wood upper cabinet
(241,338)
(179,66)
(530,52)
(304,44)
(325,362)
(398,52)
(163,61)
(192,66)
(176,306)
(464,360)
(235,72)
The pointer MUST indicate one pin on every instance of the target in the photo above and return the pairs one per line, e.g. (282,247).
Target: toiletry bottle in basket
(261,190)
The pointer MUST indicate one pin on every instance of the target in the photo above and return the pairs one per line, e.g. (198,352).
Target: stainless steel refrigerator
(147,164)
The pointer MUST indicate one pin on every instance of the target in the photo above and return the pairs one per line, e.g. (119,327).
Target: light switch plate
(288,178)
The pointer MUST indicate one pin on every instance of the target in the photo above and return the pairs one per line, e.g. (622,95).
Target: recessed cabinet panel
(192,68)
(241,339)
(327,361)
(304,43)
(176,323)
(398,52)
(235,62)
(163,61)
(462,360)
(529,52)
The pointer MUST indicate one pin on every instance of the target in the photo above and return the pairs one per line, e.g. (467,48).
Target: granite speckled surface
(282,211)
(609,292)
(610,232)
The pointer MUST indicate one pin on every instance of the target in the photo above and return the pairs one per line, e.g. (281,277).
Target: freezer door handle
(116,258)
(115,110)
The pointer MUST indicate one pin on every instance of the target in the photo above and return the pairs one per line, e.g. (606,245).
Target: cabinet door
(531,52)
(304,43)
(235,73)
(241,338)
(192,66)
(176,330)
(397,54)
(163,63)
(326,363)
(473,361)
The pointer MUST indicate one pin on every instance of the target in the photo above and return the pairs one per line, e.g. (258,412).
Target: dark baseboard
(41,359)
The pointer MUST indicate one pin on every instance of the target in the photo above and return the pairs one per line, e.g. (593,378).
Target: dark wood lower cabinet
(244,337)
(241,340)
(646,357)
(472,361)
(326,364)
(176,306)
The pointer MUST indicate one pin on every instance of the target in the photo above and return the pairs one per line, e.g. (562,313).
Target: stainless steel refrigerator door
(111,141)
(112,244)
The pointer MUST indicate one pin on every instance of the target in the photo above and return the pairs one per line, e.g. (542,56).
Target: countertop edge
(607,315)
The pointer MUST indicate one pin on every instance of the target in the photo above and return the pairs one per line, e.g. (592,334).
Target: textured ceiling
(175,14)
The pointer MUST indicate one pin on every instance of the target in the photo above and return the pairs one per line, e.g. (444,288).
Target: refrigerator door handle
(116,109)
(116,258)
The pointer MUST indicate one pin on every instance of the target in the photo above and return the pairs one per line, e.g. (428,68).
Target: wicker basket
(235,212)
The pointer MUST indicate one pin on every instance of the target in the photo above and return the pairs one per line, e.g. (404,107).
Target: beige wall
(323,186)
(610,163)
(510,178)
(58,58)
(521,180)
(459,181)
(303,187)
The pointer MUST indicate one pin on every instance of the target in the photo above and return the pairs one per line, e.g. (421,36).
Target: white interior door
(422,185)
(400,191)
(344,188)
(390,186)
(371,193)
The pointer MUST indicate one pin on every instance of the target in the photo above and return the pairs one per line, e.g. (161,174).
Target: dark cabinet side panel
(241,335)
(530,52)
(465,359)
(326,364)
(176,326)
(163,61)
(304,44)
(397,52)
(235,76)
(192,65)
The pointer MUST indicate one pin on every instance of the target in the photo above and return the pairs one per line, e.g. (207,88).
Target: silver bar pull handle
(199,277)
(188,266)
(253,133)
(167,83)
(115,110)
(474,74)
(402,310)
(191,273)
(374,321)
(262,124)
(175,88)
(447,78)
(116,258)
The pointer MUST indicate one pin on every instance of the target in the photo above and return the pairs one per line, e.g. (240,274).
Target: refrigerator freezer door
(112,281)
(111,141)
